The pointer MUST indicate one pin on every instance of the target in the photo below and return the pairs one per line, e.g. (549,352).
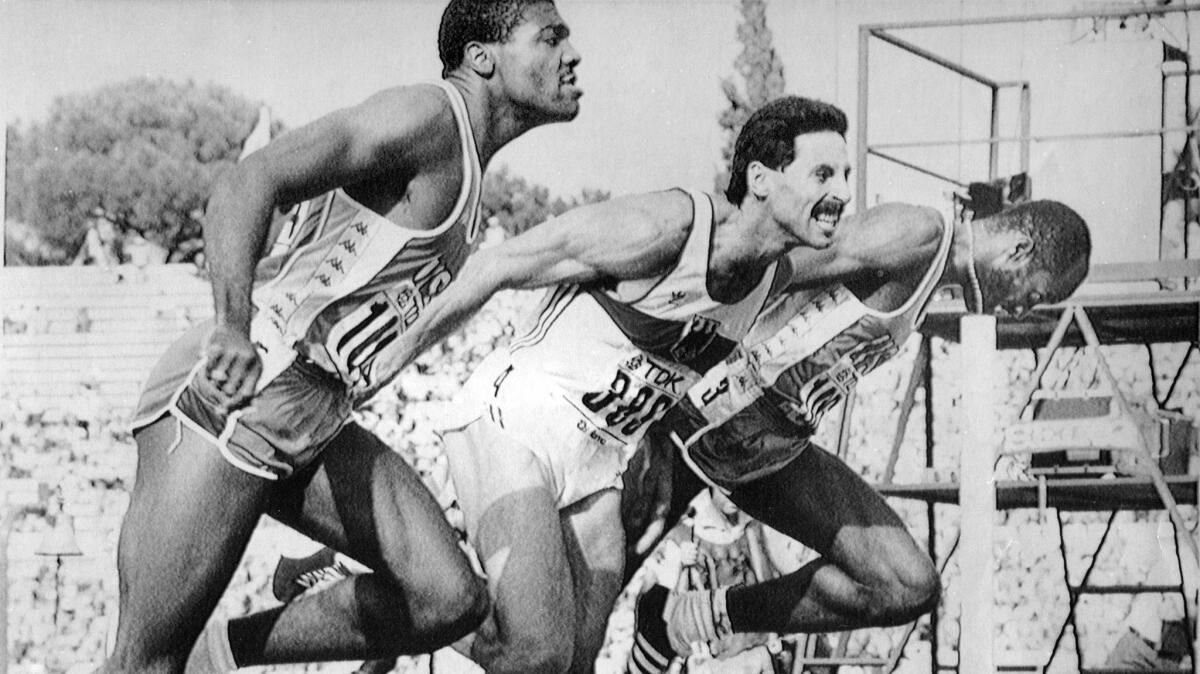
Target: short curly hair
(466,21)
(769,136)
(1062,244)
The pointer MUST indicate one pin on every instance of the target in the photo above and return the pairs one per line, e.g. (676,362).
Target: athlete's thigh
(363,499)
(594,543)
(512,520)
(820,501)
(190,516)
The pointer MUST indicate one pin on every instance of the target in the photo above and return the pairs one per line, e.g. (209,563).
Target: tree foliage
(515,204)
(761,72)
(142,153)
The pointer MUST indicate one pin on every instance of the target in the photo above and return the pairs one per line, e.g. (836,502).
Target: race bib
(640,392)
(728,388)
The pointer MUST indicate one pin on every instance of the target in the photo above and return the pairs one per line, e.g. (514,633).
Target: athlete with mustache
(647,292)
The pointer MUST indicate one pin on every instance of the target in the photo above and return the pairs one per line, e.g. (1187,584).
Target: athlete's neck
(495,120)
(736,262)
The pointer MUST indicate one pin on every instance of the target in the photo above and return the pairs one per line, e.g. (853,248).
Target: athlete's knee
(450,608)
(908,589)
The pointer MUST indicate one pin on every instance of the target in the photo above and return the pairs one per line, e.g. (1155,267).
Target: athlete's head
(792,154)
(1036,252)
(522,45)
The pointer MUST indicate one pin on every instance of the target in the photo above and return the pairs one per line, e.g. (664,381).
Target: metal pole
(919,169)
(977,492)
(1112,12)
(1026,125)
(860,188)
(934,58)
(930,507)
(994,132)
(1062,137)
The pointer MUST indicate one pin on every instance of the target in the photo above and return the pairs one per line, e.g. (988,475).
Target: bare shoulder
(906,225)
(667,214)
(416,116)
(418,101)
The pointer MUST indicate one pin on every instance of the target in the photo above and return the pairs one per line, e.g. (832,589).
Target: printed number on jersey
(358,339)
(640,392)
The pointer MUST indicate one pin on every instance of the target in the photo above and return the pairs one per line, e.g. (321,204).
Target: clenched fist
(231,368)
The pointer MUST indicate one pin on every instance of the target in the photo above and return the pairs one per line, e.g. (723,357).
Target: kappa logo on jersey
(694,338)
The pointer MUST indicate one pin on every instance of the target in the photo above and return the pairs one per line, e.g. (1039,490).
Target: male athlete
(247,414)
(649,291)
(746,426)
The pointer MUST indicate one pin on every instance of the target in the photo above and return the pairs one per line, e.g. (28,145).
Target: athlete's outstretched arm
(628,237)
(391,133)
(884,239)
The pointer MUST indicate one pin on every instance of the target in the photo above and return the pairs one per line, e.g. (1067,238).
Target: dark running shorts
(282,429)
(755,442)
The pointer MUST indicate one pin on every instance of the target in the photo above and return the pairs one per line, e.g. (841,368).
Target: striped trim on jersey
(556,302)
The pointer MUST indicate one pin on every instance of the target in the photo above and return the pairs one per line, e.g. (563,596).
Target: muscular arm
(629,237)
(884,240)
(393,133)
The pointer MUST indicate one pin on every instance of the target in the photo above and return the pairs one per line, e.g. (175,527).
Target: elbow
(247,180)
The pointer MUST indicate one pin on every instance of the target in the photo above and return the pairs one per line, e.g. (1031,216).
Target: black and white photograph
(599,336)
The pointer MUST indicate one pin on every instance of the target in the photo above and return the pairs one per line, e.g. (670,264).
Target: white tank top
(597,366)
(810,348)
(344,282)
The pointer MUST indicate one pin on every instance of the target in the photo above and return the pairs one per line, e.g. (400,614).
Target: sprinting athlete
(248,414)
(649,291)
(746,426)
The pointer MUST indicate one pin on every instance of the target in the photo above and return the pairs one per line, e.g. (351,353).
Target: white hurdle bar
(977,493)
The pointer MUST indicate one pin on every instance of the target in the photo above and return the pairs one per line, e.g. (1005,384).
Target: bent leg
(594,544)
(364,500)
(190,516)
(513,521)
(658,489)
(871,571)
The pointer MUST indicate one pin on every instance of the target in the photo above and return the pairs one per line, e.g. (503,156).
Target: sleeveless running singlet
(350,281)
(339,286)
(598,365)
(806,351)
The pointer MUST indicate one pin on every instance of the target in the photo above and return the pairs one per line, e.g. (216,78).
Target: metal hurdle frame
(976,491)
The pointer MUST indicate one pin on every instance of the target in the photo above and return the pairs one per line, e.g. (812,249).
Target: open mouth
(827,213)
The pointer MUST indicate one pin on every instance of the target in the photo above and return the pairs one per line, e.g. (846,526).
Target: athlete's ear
(478,57)
(1020,251)
(758,180)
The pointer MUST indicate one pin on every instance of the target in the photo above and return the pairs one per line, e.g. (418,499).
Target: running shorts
(282,429)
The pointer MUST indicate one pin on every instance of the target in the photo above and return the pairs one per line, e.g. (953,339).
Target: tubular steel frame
(865,149)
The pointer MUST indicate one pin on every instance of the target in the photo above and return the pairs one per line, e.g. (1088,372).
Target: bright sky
(651,73)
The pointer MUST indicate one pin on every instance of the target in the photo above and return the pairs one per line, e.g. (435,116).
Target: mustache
(829,206)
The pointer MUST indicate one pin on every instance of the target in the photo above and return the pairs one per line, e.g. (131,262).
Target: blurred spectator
(101,243)
(714,545)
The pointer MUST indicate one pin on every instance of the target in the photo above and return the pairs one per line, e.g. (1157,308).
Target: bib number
(358,339)
(624,410)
